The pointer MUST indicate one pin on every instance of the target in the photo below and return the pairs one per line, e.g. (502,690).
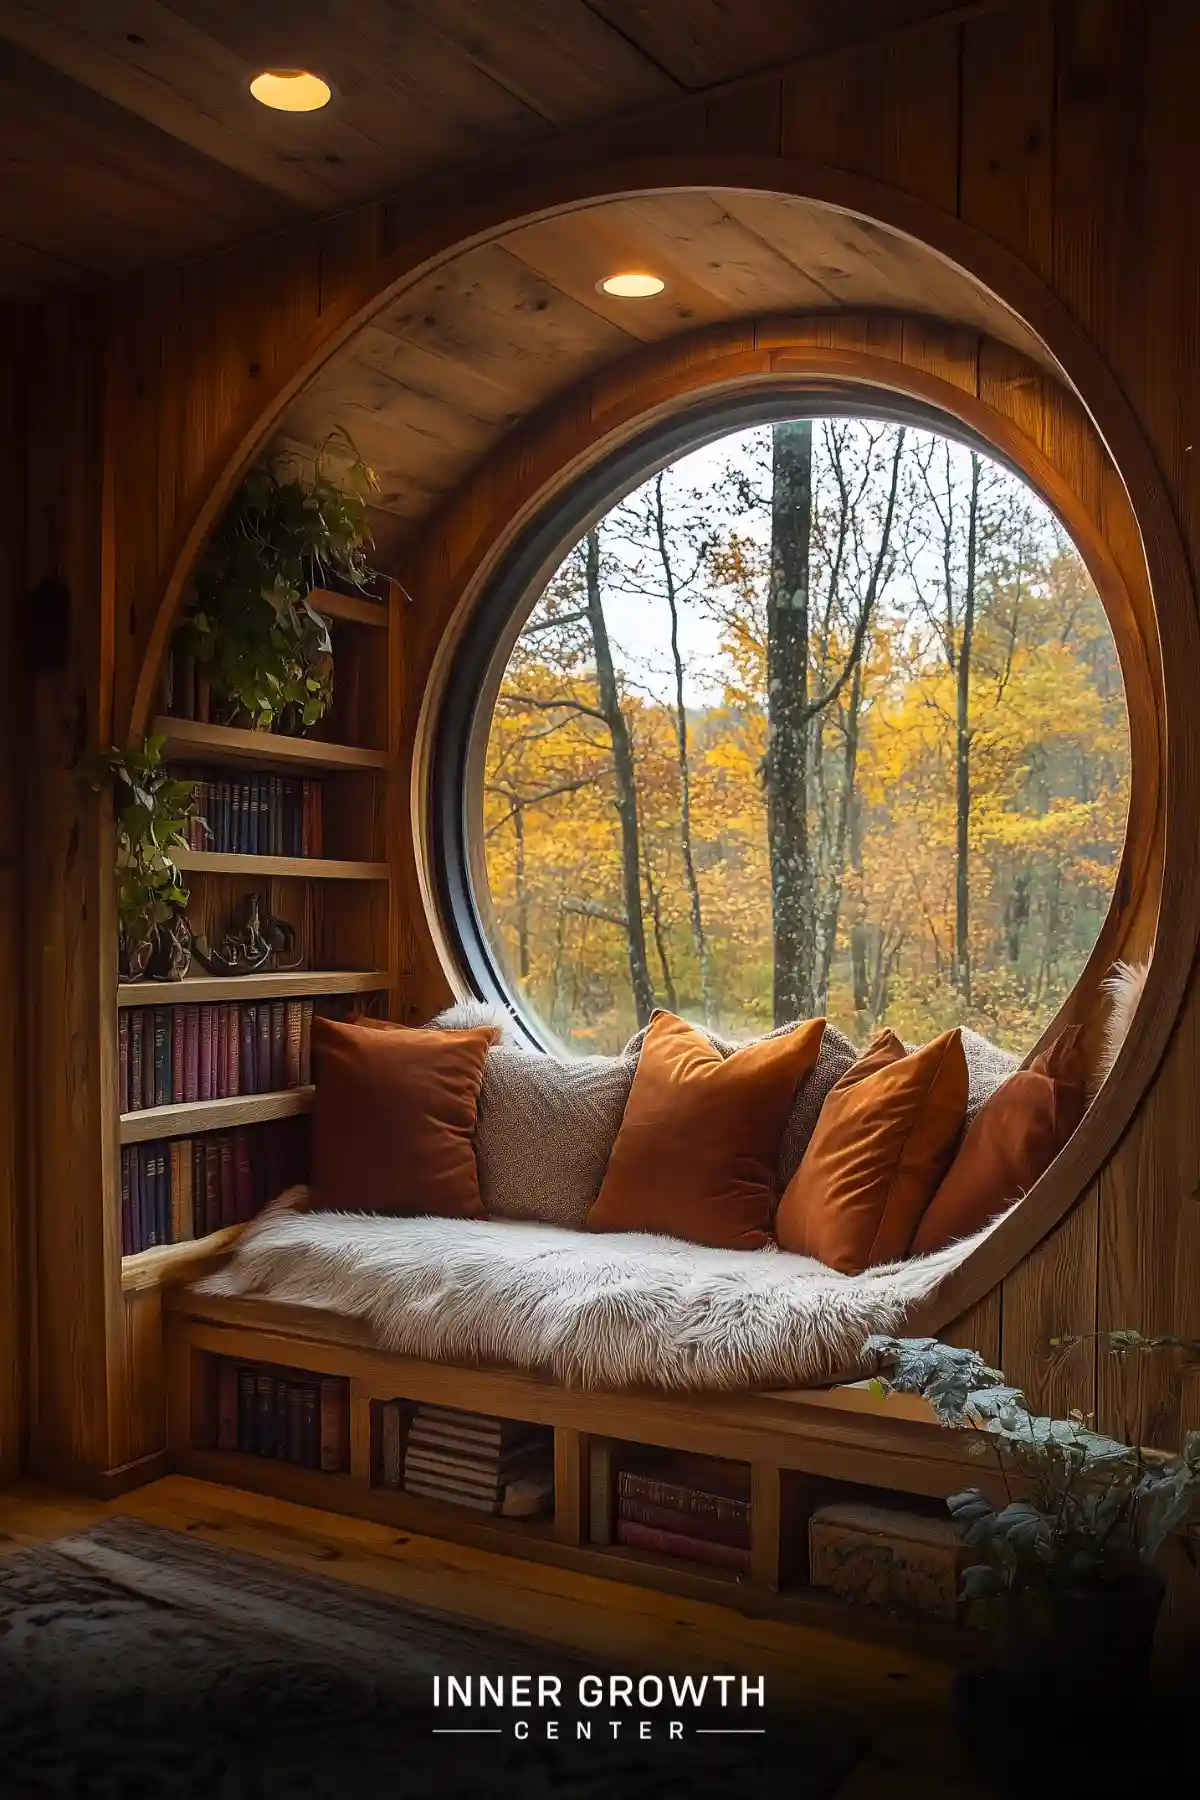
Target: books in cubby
(490,1464)
(693,1507)
(176,1190)
(287,1414)
(257,815)
(173,1055)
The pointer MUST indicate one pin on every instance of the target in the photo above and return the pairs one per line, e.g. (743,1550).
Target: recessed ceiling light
(632,284)
(291,90)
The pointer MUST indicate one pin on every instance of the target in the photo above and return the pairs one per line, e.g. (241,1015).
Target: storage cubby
(671,1504)
(447,1456)
(280,1413)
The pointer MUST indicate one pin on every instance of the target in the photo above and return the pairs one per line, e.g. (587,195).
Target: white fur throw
(1123,987)
(599,1311)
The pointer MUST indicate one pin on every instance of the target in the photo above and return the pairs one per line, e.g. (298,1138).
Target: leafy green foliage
(1082,1510)
(152,810)
(263,648)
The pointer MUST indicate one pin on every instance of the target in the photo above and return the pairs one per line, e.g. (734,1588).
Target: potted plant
(153,809)
(1066,1541)
(264,650)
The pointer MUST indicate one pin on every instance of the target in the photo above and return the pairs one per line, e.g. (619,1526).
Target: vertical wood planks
(570,1485)
(13,749)
(1008,129)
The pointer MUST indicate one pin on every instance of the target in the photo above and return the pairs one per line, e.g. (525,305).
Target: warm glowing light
(291,90)
(632,284)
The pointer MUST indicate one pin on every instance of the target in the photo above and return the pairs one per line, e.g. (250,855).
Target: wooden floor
(895,1697)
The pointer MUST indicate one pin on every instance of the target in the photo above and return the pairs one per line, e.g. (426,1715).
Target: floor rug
(142,1664)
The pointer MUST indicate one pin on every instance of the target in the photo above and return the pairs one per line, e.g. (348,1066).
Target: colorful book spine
(688,1549)
(191,1054)
(178,1054)
(123,1061)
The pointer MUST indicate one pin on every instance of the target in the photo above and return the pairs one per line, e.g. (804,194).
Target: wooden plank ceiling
(441,372)
(128,137)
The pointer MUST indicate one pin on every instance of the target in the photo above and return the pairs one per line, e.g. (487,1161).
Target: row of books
(467,1459)
(696,1508)
(172,1055)
(257,815)
(284,1413)
(175,1190)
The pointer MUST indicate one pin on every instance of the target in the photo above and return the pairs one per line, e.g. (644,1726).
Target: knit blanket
(589,1310)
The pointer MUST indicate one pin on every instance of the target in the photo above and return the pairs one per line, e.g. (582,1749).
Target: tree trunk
(962,757)
(681,745)
(521,894)
(660,940)
(786,763)
(846,808)
(627,812)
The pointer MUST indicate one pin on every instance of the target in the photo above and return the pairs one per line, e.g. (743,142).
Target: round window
(814,714)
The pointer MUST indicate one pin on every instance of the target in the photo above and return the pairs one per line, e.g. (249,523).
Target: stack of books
(693,1507)
(175,1191)
(284,1413)
(257,815)
(172,1055)
(469,1459)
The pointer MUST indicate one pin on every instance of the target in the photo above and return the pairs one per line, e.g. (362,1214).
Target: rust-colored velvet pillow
(884,1140)
(1013,1139)
(394,1119)
(697,1145)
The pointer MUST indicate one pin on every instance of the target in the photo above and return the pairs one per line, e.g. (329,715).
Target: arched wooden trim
(470,538)
(1012,284)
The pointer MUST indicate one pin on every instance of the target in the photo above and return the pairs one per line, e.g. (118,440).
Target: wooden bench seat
(803,1446)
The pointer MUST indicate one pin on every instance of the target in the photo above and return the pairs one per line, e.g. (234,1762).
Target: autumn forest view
(826,717)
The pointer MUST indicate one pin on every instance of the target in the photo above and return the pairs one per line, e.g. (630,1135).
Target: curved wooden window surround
(505,523)
(1078,443)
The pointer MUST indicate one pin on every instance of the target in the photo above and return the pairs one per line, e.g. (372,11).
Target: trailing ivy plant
(264,650)
(153,809)
(1081,1510)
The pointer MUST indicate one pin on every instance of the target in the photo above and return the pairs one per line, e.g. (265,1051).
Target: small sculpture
(253,941)
(171,950)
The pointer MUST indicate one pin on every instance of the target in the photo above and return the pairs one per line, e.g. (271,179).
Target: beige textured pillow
(544,1130)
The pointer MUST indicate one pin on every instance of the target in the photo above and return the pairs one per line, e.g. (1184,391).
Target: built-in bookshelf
(223,1061)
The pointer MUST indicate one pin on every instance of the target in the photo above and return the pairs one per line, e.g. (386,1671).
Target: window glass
(825,717)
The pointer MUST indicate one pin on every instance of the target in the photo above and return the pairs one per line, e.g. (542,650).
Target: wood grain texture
(213,1115)
(1063,127)
(611,1622)
(13,741)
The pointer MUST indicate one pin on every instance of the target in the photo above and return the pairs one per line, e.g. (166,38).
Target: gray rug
(142,1664)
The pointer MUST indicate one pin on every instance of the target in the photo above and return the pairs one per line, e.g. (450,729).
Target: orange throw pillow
(1014,1138)
(697,1145)
(884,1140)
(393,1119)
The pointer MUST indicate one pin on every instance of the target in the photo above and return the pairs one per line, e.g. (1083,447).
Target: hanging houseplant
(264,650)
(153,810)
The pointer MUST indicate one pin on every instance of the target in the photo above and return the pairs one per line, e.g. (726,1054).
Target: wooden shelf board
(177,1262)
(189,739)
(270,985)
(425,1515)
(303,868)
(213,1115)
(350,608)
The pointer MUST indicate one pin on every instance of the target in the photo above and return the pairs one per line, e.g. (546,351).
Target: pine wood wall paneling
(79,1405)
(13,1189)
(1092,153)
(889,111)
(1053,1294)
(1006,170)
(1125,232)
